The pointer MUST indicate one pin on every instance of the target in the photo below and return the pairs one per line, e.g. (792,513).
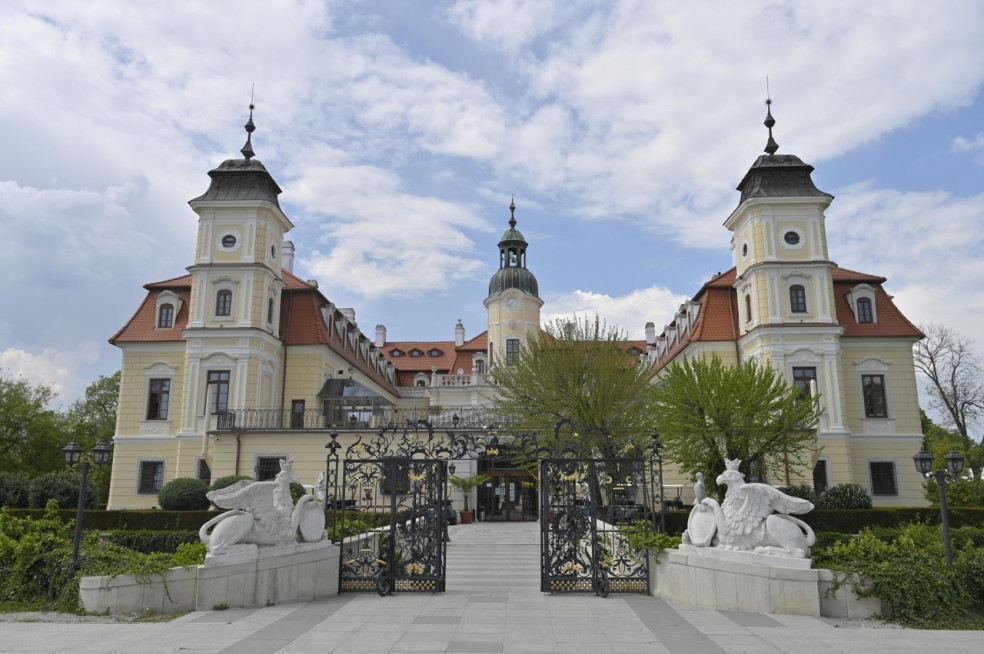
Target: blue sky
(399,131)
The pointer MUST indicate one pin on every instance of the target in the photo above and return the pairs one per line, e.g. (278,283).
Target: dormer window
(435,352)
(865,314)
(416,353)
(396,353)
(165,316)
(634,351)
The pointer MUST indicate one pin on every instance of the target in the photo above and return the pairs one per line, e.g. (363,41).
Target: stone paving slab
(493,604)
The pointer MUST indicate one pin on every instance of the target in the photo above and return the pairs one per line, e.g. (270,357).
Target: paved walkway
(492,604)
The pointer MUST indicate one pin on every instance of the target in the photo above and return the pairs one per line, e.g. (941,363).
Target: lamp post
(954,464)
(73,453)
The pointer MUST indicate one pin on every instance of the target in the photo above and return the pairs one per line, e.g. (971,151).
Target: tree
(93,418)
(955,380)
(708,412)
(31,435)
(579,371)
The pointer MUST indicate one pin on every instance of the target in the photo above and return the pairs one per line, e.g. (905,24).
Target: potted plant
(466,484)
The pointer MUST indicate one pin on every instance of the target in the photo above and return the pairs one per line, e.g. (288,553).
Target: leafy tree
(184,494)
(62,487)
(955,378)
(31,435)
(708,412)
(579,370)
(93,417)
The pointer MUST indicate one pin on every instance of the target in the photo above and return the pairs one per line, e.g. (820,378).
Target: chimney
(349,313)
(287,256)
(650,333)
(459,334)
(380,335)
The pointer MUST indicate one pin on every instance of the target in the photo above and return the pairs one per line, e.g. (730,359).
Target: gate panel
(593,512)
(406,551)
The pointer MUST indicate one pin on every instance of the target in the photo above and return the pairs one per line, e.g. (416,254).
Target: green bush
(62,486)
(802,491)
(844,496)
(146,541)
(959,492)
(15,490)
(228,480)
(183,494)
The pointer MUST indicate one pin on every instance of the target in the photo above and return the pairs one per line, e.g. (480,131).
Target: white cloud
(961,144)
(51,367)
(630,312)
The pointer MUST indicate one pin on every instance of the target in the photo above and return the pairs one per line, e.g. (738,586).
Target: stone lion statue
(753,517)
(263,514)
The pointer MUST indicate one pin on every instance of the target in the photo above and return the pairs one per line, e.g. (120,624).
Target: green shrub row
(151,519)
(17,490)
(147,541)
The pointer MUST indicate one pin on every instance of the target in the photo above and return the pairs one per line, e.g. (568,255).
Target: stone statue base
(259,553)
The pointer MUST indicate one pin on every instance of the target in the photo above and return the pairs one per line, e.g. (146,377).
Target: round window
(792,238)
(228,241)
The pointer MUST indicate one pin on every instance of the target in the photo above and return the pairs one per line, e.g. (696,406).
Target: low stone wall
(756,583)
(295,573)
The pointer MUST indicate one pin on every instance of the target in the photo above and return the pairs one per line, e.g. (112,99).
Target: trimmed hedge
(150,542)
(184,494)
(151,519)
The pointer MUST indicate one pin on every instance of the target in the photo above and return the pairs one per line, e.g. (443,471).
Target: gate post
(656,475)
(331,482)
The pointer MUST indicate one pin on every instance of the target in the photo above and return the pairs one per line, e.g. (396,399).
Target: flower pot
(466,516)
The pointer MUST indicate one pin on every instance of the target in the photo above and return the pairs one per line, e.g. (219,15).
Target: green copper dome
(512,271)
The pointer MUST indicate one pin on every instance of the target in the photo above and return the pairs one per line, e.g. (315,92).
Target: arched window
(864,310)
(480,367)
(270,310)
(748,308)
(223,303)
(165,316)
(797,299)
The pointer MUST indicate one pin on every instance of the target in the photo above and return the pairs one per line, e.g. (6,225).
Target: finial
(250,128)
(512,211)
(771,146)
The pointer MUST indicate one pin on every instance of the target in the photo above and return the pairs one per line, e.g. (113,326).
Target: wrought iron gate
(406,552)
(594,513)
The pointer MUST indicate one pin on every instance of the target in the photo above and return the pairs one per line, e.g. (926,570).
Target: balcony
(453,418)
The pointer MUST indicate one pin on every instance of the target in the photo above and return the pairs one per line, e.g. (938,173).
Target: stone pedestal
(737,581)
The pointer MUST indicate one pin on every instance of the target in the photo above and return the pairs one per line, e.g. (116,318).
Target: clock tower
(513,304)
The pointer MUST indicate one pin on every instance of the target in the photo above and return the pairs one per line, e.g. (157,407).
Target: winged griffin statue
(262,514)
(753,517)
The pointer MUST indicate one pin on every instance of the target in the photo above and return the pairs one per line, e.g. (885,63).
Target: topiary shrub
(844,496)
(15,490)
(802,491)
(183,494)
(62,486)
(228,480)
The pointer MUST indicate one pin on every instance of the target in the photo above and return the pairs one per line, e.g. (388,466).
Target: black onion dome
(518,278)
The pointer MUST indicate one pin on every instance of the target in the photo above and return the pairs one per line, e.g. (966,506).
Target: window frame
(797,299)
(869,411)
(156,479)
(865,312)
(158,410)
(203,471)
(165,310)
(213,378)
(872,477)
(263,461)
(223,302)
(512,351)
(803,384)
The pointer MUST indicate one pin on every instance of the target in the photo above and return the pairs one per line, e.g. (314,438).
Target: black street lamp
(954,464)
(73,453)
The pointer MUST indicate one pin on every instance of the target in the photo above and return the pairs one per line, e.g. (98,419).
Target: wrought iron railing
(355,419)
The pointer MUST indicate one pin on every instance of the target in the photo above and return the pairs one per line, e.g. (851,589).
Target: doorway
(509,496)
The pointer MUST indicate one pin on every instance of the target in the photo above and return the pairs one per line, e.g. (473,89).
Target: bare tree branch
(954,377)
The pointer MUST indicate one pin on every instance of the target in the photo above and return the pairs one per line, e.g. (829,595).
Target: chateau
(239,363)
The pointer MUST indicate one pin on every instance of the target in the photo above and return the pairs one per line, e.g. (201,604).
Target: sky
(399,131)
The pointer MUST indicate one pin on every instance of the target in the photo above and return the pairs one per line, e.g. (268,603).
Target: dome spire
(771,146)
(250,128)
(512,212)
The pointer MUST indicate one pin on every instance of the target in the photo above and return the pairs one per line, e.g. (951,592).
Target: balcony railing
(378,418)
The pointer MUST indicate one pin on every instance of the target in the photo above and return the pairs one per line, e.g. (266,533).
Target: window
(228,241)
(873,391)
(270,310)
(797,299)
(435,352)
(480,367)
(748,308)
(204,472)
(882,474)
(864,310)
(792,238)
(223,303)
(415,352)
(297,414)
(151,477)
(820,476)
(267,467)
(512,350)
(218,384)
(165,316)
(157,399)
(802,376)
(396,353)
(420,383)
(634,351)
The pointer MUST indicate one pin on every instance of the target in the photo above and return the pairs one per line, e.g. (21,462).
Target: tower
(233,345)
(513,304)
(784,277)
